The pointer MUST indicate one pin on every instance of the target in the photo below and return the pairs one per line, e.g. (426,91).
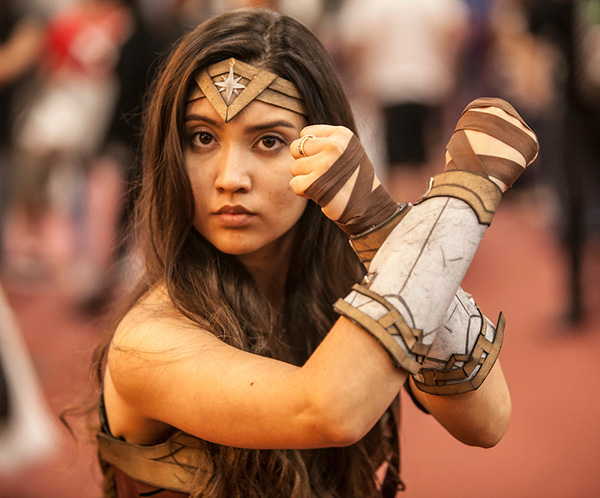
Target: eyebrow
(272,124)
(198,117)
(252,129)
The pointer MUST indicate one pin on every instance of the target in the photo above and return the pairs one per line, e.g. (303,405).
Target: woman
(229,373)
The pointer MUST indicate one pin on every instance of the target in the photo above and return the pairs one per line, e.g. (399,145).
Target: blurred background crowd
(73,74)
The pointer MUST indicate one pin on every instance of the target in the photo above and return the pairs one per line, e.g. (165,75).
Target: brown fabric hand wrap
(367,206)
(463,156)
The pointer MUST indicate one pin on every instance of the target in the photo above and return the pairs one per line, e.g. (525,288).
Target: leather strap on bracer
(403,343)
(366,244)
(467,173)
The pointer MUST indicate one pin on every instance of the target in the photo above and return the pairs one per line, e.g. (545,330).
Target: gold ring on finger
(301,143)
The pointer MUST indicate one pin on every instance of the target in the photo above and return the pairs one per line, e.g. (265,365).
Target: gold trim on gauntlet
(403,343)
(478,191)
(462,373)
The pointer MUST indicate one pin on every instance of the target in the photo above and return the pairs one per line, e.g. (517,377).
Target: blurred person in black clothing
(573,28)
(20,39)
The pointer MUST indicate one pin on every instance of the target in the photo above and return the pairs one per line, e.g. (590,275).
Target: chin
(237,247)
(271,244)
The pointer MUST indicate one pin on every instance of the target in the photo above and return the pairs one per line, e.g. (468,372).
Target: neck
(269,268)
(272,285)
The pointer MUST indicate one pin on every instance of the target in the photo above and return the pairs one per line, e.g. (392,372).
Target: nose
(233,173)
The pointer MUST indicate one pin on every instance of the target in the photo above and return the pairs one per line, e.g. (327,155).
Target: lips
(233,216)
(233,210)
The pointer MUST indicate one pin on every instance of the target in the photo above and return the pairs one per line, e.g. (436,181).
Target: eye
(200,139)
(271,143)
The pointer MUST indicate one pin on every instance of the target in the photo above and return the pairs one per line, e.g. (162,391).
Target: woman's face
(239,172)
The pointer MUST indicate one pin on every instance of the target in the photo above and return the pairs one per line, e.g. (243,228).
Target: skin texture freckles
(239,172)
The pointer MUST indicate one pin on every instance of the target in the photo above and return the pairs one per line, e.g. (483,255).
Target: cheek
(281,194)
(198,186)
(287,206)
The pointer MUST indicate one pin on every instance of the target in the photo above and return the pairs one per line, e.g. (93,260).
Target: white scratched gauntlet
(411,300)
(413,278)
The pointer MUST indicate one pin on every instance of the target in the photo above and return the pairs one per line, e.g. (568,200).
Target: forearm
(357,378)
(476,418)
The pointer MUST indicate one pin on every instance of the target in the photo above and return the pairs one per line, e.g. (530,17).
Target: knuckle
(323,163)
(294,184)
(294,167)
(342,136)
(297,185)
(336,149)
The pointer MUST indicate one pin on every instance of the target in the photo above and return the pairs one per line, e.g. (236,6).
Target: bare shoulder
(166,372)
(150,340)
(154,326)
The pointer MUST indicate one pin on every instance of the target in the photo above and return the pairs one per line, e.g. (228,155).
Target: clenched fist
(332,169)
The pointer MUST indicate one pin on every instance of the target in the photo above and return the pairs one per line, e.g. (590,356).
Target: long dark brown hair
(214,289)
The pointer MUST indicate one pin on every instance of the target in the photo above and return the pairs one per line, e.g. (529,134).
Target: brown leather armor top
(168,469)
(127,487)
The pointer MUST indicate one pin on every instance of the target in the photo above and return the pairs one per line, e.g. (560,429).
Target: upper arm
(185,377)
(171,372)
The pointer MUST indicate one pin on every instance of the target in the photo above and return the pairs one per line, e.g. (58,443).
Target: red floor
(552,448)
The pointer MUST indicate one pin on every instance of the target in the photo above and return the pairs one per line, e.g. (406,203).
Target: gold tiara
(231,85)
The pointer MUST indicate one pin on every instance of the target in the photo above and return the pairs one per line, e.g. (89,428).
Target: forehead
(254,114)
